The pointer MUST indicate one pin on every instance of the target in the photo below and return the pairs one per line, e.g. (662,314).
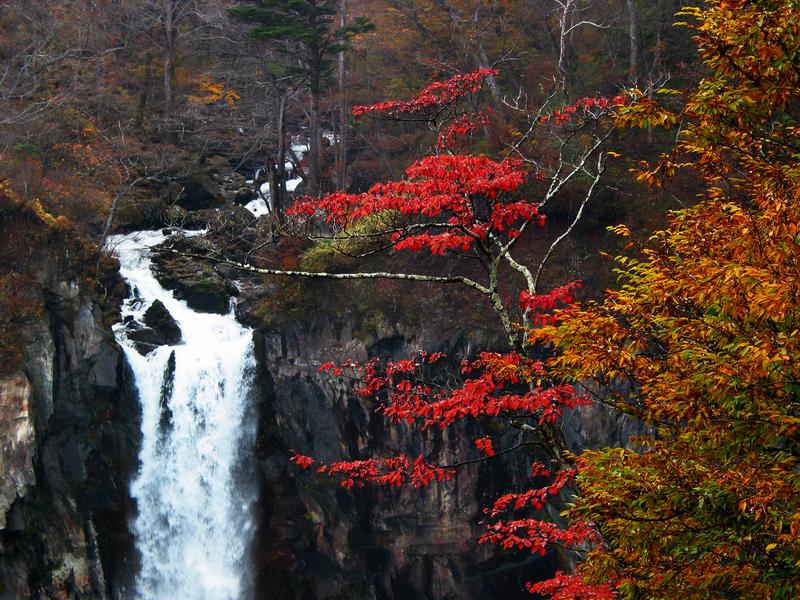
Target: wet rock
(193,280)
(165,421)
(158,318)
(176,216)
(233,218)
(200,286)
(160,329)
(244,195)
(145,340)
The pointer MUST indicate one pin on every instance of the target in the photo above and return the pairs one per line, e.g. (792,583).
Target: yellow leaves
(90,131)
(703,338)
(644,112)
(45,217)
(213,92)
(620,230)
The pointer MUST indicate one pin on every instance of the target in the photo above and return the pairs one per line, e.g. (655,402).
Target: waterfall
(194,489)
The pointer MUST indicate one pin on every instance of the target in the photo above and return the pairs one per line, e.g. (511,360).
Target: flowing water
(194,489)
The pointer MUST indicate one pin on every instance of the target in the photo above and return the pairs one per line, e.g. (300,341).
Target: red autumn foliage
(538,305)
(447,195)
(536,535)
(304,462)
(535,497)
(394,471)
(571,587)
(431,100)
(462,202)
(460,129)
(484,444)
(583,108)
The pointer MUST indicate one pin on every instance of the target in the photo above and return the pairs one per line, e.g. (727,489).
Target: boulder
(158,318)
(199,191)
(160,330)
(231,218)
(192,280)
(244,195)
(137,213)
(176,216)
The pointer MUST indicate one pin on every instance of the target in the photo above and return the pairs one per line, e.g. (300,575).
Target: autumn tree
(451,205)
(701,341)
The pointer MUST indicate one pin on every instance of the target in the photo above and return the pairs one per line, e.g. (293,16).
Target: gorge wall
(68,438)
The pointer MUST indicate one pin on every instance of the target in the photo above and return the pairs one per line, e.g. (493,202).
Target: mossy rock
(136,213)
(199,191)
(198,283)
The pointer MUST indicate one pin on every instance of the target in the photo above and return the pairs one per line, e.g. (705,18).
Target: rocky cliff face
(319,541)
(68,439)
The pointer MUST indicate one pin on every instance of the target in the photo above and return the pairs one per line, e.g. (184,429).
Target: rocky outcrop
(69,437)
(160,330)
(190,196)
(17,441)
(319,541)
(145,212)
(69,444)
(198,190)
(200,284)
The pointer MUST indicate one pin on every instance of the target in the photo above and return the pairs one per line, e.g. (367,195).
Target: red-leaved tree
(456,203)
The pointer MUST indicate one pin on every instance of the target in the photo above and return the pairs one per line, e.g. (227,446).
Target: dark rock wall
(68,440)
(317,540)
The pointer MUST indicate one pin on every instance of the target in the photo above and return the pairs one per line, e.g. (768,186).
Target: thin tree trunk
(144,92)
(169,56)
(633,36)
(274,189)
(563,44)
(314,141)
(342,146)
(278,188)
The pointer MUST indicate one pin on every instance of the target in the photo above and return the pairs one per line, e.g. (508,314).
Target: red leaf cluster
(304,462)
(571,587)
(535,536)
(461,127)
(432,99)
(547,302)
(536,497)
(406,397)
(484,444)
(441,196)
(394,471)
(585,107)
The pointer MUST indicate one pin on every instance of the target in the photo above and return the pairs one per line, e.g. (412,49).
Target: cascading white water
(193,491)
